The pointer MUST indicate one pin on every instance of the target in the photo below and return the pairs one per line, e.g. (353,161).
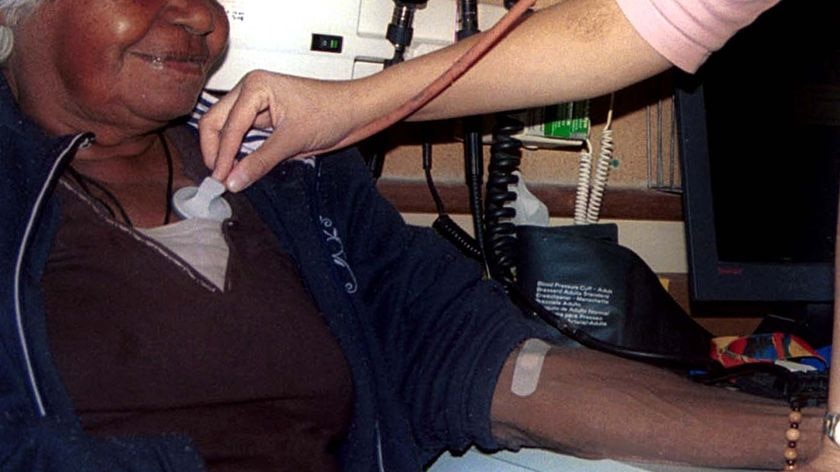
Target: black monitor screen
(759,131)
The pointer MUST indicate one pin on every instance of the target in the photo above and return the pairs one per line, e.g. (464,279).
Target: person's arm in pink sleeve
(572,50)
(686,32)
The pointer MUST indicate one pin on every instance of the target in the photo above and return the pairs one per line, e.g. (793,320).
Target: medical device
(329,39)
(345,39)
(203,201)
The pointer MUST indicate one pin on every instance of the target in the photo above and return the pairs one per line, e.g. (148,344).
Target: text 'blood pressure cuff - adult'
(581,273)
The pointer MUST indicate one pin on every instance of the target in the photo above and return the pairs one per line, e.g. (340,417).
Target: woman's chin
(165,107)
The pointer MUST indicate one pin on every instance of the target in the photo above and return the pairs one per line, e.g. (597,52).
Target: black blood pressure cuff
(581,273)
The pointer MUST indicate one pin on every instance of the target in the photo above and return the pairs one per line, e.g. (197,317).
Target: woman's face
(91,65)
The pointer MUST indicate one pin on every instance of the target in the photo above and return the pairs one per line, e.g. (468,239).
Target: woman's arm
(571,50)
(574,49)
(599,406)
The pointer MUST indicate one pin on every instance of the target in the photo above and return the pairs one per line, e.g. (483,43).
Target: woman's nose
(198,17)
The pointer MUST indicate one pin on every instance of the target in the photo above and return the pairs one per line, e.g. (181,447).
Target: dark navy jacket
(424,336)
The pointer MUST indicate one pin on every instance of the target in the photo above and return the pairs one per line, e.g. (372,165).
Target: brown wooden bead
(792,434)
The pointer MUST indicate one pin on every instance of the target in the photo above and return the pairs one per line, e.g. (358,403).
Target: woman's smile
(192,64)
(106,67)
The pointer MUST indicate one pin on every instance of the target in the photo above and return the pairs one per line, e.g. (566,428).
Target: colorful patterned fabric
(732,351)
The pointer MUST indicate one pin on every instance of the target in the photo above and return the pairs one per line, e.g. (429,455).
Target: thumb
(255,165)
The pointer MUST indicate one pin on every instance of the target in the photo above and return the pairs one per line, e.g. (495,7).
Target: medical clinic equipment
(258,53)
(344,39)
(331,39)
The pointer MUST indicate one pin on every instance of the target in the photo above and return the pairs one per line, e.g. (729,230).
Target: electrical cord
(443,224)
(583,183)
(770,380)
(433,90)
(590,187)
(785,383)
(427,171)
(523,300)
(400,33)
(85,183)
(456,70)
(505,157)
(602,168)
(474,175)
(473,146)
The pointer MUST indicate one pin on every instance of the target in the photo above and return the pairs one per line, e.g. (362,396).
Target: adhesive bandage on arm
(529,363)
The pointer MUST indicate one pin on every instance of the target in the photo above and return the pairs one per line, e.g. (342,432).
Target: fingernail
(235,183)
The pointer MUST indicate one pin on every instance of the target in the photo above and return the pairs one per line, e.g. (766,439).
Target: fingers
(277,148)
(266,100)
(248,170)
(223,128)
(210,127)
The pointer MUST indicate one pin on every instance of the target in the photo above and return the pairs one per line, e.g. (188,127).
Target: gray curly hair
(14,10)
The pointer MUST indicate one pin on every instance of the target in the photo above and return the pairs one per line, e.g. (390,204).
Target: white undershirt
(199,242)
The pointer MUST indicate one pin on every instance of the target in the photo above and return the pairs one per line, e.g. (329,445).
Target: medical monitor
(759,131)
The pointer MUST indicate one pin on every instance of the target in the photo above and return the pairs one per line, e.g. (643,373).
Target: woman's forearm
(598,406)
(572,50)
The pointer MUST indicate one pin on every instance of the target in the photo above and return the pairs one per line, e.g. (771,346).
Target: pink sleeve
(687,31)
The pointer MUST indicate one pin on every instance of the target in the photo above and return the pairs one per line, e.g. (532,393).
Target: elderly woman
(319,335)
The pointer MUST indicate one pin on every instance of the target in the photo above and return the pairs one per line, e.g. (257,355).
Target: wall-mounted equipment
(328,39)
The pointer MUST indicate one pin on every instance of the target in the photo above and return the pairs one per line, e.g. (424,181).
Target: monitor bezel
(712,280)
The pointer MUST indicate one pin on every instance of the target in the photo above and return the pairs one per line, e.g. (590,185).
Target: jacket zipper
(27,235)
(379,458)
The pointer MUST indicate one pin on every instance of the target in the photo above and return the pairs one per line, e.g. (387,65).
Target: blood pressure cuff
(581,274)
